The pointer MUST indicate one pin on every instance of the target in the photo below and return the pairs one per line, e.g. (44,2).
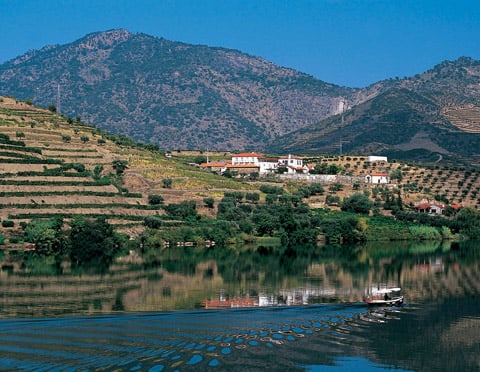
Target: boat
(390,301)
(384,297)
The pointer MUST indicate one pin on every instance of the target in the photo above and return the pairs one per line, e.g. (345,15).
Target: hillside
(53,166)
(430,117)
(50,166)
(173,94)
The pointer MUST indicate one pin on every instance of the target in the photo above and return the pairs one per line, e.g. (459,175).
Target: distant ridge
(416,118)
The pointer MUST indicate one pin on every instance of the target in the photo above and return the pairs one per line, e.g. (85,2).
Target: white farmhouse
(377,177)
(246,158)
(293,164)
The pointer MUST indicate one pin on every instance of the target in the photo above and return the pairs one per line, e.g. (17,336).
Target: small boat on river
(384,297)
(390,301)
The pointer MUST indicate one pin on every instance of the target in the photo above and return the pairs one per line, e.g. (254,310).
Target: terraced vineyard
(465,118)
(51,165)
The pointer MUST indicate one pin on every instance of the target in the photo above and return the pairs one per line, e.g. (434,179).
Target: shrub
(424,233)
(8,223)
(155,199)
(167,183)
(357,203)
(153,222)
(209,202)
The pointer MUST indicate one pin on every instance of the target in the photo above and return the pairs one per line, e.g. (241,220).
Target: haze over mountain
(184,96)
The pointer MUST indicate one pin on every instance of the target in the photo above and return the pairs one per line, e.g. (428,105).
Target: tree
(119,165)
(20,135)
(209,202)
(84,139)
(97,171)
(155,199)
(66,138)
(332,200)
(92,242)
(200,159)
(153,222)
(186,209)
(357,203)
(79,167)
(337,186)
(252,196)
(48,237)
(167,183)
(396,174)
(333,169)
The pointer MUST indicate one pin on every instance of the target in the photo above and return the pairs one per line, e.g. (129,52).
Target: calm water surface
(305,313)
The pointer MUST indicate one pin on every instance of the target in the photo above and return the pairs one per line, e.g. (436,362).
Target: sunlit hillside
(52,165)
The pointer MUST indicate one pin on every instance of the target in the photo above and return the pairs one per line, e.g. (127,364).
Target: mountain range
(183,96)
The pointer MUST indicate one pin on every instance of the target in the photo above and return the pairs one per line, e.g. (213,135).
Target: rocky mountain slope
(170,93)
(431,116)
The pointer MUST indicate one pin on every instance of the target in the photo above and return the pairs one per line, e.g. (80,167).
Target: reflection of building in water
(434,265)
(291,297)
(304,296)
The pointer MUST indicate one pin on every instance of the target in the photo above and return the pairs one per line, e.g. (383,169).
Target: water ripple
(171,341)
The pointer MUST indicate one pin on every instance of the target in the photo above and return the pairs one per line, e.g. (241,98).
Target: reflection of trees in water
(186,276)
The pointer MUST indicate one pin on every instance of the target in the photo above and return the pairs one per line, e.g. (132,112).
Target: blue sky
(346,42)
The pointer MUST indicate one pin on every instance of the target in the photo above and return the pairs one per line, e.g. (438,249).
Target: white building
(268,165)
(293,164)
(373,159)
(246,158)
(377,177)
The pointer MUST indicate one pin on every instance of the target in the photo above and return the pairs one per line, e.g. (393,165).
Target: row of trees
(242,217)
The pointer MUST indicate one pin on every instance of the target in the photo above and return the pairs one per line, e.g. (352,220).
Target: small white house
(377,178)
(373,159)
(293,164)
(432,208)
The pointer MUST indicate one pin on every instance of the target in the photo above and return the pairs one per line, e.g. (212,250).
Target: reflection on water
(303,313)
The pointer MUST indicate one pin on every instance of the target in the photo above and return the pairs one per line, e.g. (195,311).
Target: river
(290,313)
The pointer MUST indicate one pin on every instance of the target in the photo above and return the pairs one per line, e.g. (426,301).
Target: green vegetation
(57,198)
